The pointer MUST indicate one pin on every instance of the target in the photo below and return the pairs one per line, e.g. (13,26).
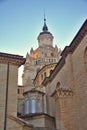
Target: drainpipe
(6,100)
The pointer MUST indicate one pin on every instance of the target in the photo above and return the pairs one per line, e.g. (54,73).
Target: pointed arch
(58,85)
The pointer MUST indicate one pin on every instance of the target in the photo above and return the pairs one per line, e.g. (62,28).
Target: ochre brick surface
(71,111)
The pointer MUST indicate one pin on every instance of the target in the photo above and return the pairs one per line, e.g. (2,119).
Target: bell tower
(45,38)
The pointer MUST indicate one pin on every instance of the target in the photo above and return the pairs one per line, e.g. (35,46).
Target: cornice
(27,93)
(11,59)
(61,92)
(76,41)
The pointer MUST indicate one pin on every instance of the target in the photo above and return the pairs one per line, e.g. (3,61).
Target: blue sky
(21,22)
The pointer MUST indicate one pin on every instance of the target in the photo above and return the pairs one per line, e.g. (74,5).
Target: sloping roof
(33,91)
(20,121)
(35,115)
(48,65)
(67,50)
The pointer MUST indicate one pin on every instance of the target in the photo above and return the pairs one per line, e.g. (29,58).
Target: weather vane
(44,15)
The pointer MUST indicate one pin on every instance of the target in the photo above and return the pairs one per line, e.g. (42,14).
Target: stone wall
(71,109)
(3,77)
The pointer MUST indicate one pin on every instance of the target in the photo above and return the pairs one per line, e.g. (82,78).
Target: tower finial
(44,16)
(45,28)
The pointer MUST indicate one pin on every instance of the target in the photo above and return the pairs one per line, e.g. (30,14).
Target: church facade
(54,91)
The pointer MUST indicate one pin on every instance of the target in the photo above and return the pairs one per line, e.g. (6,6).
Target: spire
(45,28)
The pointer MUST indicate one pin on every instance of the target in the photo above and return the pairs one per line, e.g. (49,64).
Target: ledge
(11,59)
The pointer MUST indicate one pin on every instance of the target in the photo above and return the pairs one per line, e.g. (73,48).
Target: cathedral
(44,55)
(54,91)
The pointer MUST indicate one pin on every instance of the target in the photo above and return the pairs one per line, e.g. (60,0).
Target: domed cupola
(45,38)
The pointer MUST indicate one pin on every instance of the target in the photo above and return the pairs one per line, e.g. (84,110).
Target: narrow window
(52,54)
(20,107)
(26,106)
(18,90)
(58,85)
(33,105)
(38,106)
(42,76)
(45,75)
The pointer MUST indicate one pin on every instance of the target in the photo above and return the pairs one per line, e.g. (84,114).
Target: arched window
(33,106)
(52,54)
(85,58)
(58,85)
(38,105)
(42,77)
(27,107)
(45,75)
